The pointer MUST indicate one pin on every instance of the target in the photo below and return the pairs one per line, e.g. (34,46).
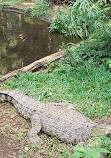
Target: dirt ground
(14,141)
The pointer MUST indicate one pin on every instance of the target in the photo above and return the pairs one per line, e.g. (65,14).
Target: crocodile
(61,120)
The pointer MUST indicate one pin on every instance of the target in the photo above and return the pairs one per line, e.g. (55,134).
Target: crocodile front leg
(36,127)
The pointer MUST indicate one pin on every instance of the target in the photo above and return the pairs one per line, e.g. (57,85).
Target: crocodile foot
(36,141)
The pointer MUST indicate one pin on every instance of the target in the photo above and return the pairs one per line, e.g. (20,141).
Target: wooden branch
(34,65)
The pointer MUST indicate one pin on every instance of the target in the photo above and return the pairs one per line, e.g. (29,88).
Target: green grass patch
(88,86)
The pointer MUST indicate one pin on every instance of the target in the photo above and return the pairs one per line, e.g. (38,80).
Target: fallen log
(34,65)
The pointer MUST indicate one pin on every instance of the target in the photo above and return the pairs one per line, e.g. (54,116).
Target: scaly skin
(55,119)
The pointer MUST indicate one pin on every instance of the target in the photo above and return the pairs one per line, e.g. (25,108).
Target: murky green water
(24,40)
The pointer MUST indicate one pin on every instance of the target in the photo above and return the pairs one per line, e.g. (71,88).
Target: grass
(89,87)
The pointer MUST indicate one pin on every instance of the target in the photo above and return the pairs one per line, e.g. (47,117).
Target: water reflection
(24,40)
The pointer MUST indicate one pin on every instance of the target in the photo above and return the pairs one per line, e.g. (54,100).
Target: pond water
(24,40)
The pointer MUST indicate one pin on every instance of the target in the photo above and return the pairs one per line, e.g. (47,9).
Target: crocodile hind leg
(36,127)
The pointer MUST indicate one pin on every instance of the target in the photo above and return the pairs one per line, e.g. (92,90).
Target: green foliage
(86,18)
(4,3)
(85,152)
(109,63)
(40,9)
(80,19)
(93,51)
(104,2)
(96,50)
(106,142)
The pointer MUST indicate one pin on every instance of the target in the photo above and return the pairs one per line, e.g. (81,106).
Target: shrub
(92,51)
(96,50)
(80,19)
(40,9)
